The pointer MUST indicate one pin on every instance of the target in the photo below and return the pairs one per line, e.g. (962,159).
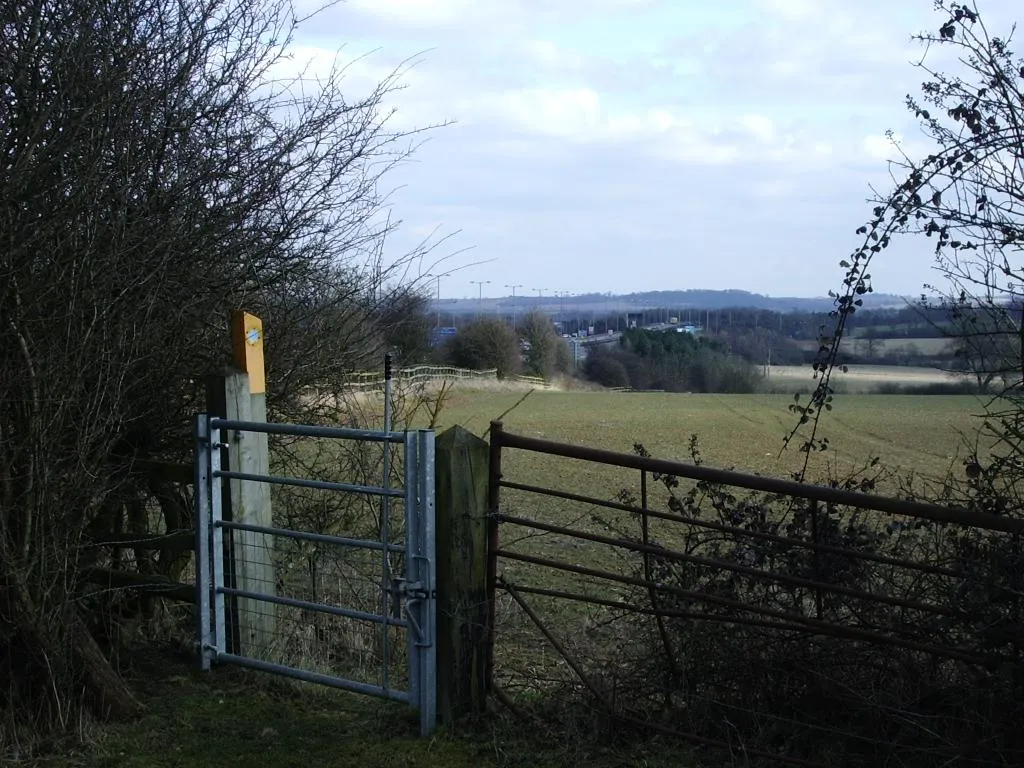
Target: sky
(630,145)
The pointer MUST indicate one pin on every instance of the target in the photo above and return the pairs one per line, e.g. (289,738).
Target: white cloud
(427,13)
(462,14)
(570,113)
(610,132)
(412,86)
(771,188)
(551,57)
(579,116)
(880,148)
(758,126)
(793,10)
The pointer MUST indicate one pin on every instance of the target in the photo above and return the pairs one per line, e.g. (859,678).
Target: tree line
(670,361)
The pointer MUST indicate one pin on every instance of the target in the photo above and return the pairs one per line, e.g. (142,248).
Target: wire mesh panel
(339,590)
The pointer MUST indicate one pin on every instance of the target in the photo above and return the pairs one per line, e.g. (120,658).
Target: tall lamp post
(561,308)
(513,287)
(480,295)
(437,300)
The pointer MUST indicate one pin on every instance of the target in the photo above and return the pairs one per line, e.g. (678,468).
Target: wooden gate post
(241,396)
(461,460)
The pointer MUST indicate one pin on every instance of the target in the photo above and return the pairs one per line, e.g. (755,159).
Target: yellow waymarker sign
(247,347)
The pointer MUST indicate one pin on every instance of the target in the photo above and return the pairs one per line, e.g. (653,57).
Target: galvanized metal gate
(406,594)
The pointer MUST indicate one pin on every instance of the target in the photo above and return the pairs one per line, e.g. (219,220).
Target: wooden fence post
(249,566)
(461,460)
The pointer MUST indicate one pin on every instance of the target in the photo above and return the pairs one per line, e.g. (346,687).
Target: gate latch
(410,590)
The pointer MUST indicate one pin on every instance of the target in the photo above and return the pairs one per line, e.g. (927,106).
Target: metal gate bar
(333,610)
(418,586)
(307,430)
(309,676)
(323,538)
(324,485)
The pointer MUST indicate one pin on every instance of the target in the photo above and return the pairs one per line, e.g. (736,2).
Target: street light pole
(540,298)
(513,287)
(437,294)
(480,295)
(437,304)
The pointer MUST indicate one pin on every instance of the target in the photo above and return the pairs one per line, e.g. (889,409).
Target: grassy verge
(231,717)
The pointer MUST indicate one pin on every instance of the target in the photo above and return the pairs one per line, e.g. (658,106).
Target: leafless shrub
(161,167)
(896,642)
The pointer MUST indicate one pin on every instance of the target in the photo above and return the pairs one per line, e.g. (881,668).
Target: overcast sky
(630,145)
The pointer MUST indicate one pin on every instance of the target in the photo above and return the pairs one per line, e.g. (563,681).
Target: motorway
(608,338)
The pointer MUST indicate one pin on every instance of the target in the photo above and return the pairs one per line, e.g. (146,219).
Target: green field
(919,435)
(908,433)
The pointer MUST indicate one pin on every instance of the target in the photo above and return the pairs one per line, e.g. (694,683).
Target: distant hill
(678,299)
(704,299)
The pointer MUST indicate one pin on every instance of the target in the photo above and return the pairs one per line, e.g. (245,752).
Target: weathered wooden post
(241,395)
(461,486)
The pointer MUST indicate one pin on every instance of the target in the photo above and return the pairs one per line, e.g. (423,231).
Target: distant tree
(563,357)
(709,370)
(606,369)
(753,345)
(637,369)
(548,353)
(484,344)
(406,324)
(672,361)
(987,342)
(871,348)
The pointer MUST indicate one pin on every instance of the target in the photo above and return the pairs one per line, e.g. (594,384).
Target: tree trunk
(108,695)
(64,658)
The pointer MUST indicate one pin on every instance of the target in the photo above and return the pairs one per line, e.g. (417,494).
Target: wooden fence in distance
(374,380)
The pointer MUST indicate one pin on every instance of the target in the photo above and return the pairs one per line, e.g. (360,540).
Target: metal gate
(405,594)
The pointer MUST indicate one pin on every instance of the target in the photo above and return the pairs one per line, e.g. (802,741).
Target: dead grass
(888,347)
(874,374)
